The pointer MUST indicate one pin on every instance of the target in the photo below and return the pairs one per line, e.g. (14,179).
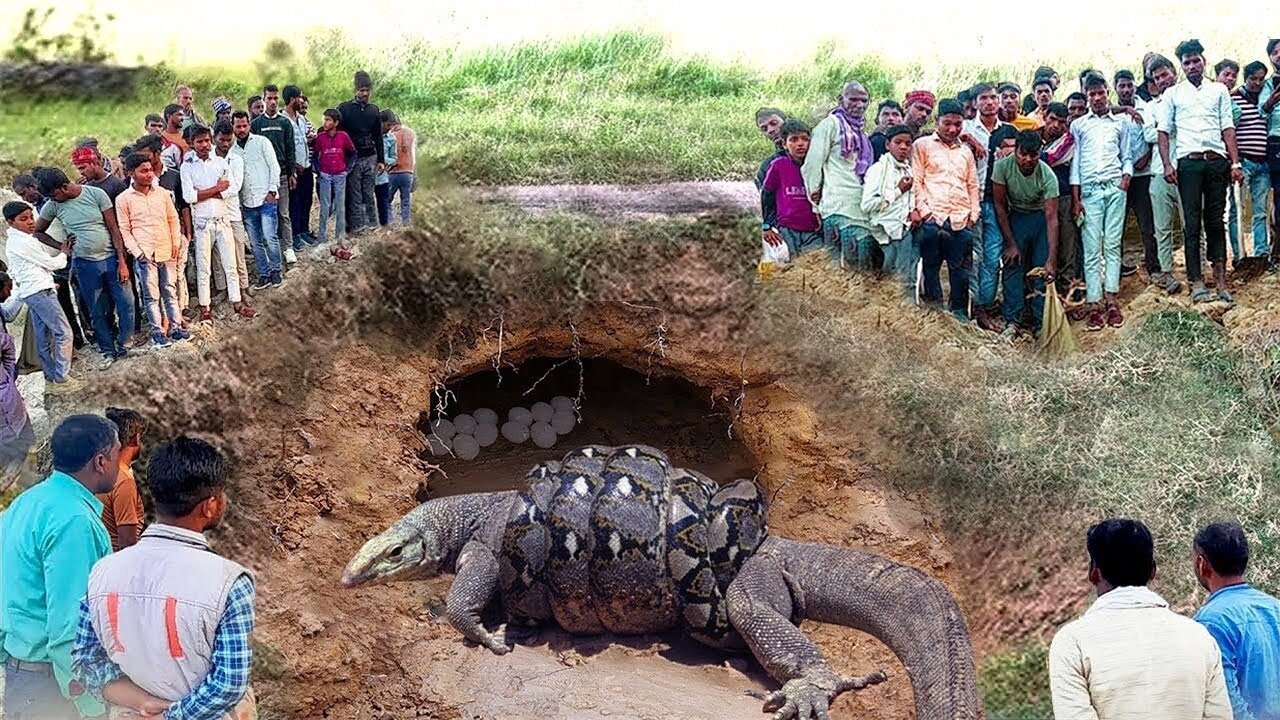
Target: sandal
(1225,297)
(1201,294)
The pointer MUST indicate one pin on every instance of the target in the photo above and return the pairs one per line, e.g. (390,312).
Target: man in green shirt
(1026,200)
(50,538)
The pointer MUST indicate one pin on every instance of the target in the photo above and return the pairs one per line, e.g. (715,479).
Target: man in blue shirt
(50,537)
(1244,621)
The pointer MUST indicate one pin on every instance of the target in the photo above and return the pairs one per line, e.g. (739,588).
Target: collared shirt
(1251,127)
(884,202)
(235,180)
(230,666)
(1131,658)
(979,132)
(1198,115)
(200,175)
(1152,118)
(50,537)
(1139,142)
(825,170)
(31,263)
(1273,117)
(149,224)
(945,182)
(261,169)
(1103,148)
(301,143)
(1246,624)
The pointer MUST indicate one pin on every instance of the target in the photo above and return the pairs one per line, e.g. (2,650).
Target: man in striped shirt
(1251,140)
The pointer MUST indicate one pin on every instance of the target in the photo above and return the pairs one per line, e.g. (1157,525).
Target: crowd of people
(189,209)
(1013,191)
(102,616)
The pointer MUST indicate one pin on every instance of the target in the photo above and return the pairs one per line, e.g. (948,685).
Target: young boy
(887,200)
(31,265)
(205,179)
(122,511)
(382,184)
(788,215)
(172,591)
(149,226)
(334,153)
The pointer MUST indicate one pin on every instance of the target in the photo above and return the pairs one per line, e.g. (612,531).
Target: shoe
(1127,270)
(1169,283)
(277,281)
(1096,320)
(290,256)
(312,240)
(206,315)
(120,354)
(1114,317)
(66,387)
(961,316)
(179,335)
(263,283)
(246,312)
(189,314)
(159,340)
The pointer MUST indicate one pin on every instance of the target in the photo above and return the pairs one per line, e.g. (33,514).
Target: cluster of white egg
(465,434)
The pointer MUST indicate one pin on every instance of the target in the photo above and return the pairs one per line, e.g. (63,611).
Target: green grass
(612,108)
(1015,684)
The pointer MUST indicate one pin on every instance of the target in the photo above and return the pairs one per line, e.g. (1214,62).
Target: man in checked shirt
(142,643)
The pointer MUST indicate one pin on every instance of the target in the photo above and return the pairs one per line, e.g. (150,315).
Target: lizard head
(404,551)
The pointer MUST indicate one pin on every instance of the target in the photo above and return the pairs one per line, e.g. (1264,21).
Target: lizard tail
(905,608)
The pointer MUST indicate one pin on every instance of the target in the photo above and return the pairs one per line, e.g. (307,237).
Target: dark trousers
(383,194)
(65,282)
(1273,166)
(300,201)
(1202,185)
(98,278)
(1031,235)
(1138,201)
(940,243)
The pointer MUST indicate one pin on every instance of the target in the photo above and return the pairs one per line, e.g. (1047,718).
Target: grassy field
(613,108)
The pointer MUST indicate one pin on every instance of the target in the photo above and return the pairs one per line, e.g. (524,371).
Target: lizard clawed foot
(810,698)
(502,639)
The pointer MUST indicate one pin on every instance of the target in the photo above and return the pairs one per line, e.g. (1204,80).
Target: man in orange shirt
(945,178)
(401,173)
(122,511)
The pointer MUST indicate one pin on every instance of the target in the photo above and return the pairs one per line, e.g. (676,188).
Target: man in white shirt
(1199,110)
(223,139)
(31,265)
(1165,203)
(205,177)
(259,196)
(1130,657)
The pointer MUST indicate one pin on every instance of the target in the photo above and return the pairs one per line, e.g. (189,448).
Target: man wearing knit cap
(918,105)
(221,111)
(362,120)
(839,155)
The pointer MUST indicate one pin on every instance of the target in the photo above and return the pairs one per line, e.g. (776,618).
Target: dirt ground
(319,401)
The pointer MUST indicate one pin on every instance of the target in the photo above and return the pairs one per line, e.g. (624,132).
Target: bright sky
(964,33)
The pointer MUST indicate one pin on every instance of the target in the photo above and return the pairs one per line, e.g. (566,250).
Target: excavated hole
(617,405)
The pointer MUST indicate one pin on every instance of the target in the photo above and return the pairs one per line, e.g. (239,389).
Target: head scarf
(921,96)
(83,155)
(852,138)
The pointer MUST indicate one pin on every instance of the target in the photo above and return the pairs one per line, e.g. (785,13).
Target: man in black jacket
(360,119)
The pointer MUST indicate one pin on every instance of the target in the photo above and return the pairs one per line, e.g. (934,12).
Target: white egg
(542,434)
(515,432)
(485,416)
(563,422)
(541,412)
(560,403)
(443,429)
(466,447)
(437,446)
(465,424)
(486,435)
(520,416)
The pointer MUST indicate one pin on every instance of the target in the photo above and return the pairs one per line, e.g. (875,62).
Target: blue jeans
(54,341)
(940,243)
(1101,237)
(847,243)
(797,241)
(987,256)
(99,279)
(35,696)
(1031,235)
(261,222)
(1257,176)
(333,203)
(155,280)
(402,185)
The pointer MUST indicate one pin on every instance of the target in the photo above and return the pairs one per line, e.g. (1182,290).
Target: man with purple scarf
(839,155)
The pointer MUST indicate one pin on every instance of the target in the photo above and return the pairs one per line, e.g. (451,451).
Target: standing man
(1199,110)
(149,224)
(362,120)
(1251,139)
(206,177)
(173,139)
(1244,621)
(1026,200)
(1270,99)
(769,123)
(888,114)
(1130,657)
(122,653)
(839,156)
(944,176)
(1138,197)
(918,106)
(1058,150)
(1077,106)
(50,538)
(88,162)
(98,256)
(185,99)
(258,199)
(277,128)
(223,139)
(170,179)
(305,184)
(987,245)
(1042,92)
(1100,173)
(403,172)
(1165,203)
(1126,88)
